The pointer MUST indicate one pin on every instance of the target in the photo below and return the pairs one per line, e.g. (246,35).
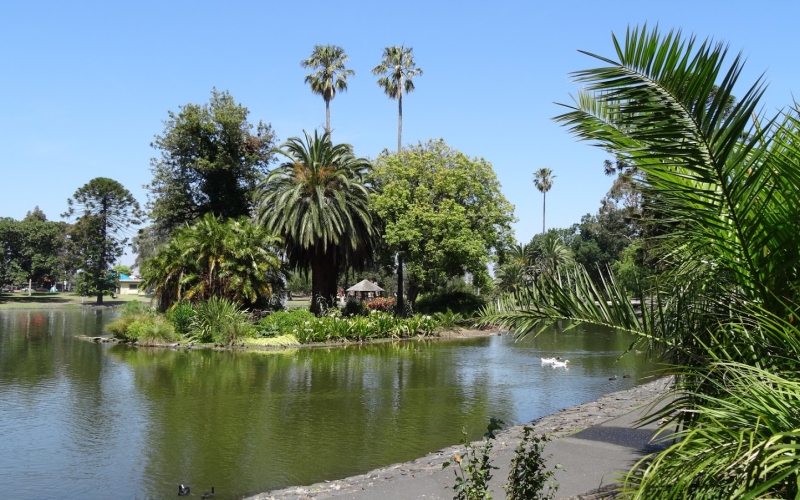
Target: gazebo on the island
(365,290)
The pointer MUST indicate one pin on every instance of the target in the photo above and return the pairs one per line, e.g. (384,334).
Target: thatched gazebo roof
(365,286)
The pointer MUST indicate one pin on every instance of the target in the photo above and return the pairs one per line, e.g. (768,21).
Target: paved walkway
(590,458)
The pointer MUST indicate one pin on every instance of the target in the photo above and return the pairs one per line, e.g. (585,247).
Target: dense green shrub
(354,307)
(449,319)
(132,311)
(142,328)
(528,477)
(152,330)
(461,302)
(220,321)
(181,316)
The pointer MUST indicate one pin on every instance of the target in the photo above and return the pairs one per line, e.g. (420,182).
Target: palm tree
(399,69)
(318,201)
(555,255)
(725,306)
(232,259)
(543,180)
(329,76)
(511,277)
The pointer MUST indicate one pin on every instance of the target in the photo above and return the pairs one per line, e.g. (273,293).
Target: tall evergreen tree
(106,212)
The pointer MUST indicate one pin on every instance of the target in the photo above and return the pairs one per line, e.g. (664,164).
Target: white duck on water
(550,361)
(560,364)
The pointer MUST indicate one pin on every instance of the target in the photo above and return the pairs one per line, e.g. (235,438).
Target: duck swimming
(208,494)
(183,490)
(550,361)
(560,364)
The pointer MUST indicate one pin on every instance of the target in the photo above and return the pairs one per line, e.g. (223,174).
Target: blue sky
(86,85)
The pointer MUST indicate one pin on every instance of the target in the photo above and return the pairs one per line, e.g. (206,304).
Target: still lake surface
(86,420)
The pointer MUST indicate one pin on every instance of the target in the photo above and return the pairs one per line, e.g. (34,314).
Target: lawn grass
(43,300)
(298,302)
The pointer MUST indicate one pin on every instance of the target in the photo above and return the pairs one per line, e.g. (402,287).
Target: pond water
(86,420)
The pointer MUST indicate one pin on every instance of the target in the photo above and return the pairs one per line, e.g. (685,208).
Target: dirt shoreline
(560,424)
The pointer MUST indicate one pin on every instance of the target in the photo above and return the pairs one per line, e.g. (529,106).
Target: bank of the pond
(593,442)
(454,334)
(47,301)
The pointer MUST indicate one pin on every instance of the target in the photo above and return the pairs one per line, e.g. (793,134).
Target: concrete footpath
(592,442)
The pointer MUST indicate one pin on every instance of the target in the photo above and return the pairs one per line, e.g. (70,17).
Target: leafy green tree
(399,70)
(10,271)
(543,180)
(210,162)
(232,259)
(329,76)
(725,305)
(106,212)
(318,200)
(30,250)
(444,214)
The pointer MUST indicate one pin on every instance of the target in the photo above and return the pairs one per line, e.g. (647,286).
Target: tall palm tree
(543,180)
(318,201)
(329,76)
(399,70)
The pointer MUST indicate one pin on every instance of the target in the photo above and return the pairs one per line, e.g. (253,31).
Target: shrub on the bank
(131,312)
(142,328)
(153,330)
(309,328)
(459,301)
(281,322)
(354,307)
(181,316)
(449,319)
(527,478)
(221,321)
(384,304)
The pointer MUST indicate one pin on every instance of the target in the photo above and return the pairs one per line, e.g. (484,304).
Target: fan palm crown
(329,76)
(399,70)
(543,180)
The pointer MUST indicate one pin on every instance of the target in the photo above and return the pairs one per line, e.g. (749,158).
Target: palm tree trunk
(324,272)
(544,206)
(400,305)
(328,116)
(400,121)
